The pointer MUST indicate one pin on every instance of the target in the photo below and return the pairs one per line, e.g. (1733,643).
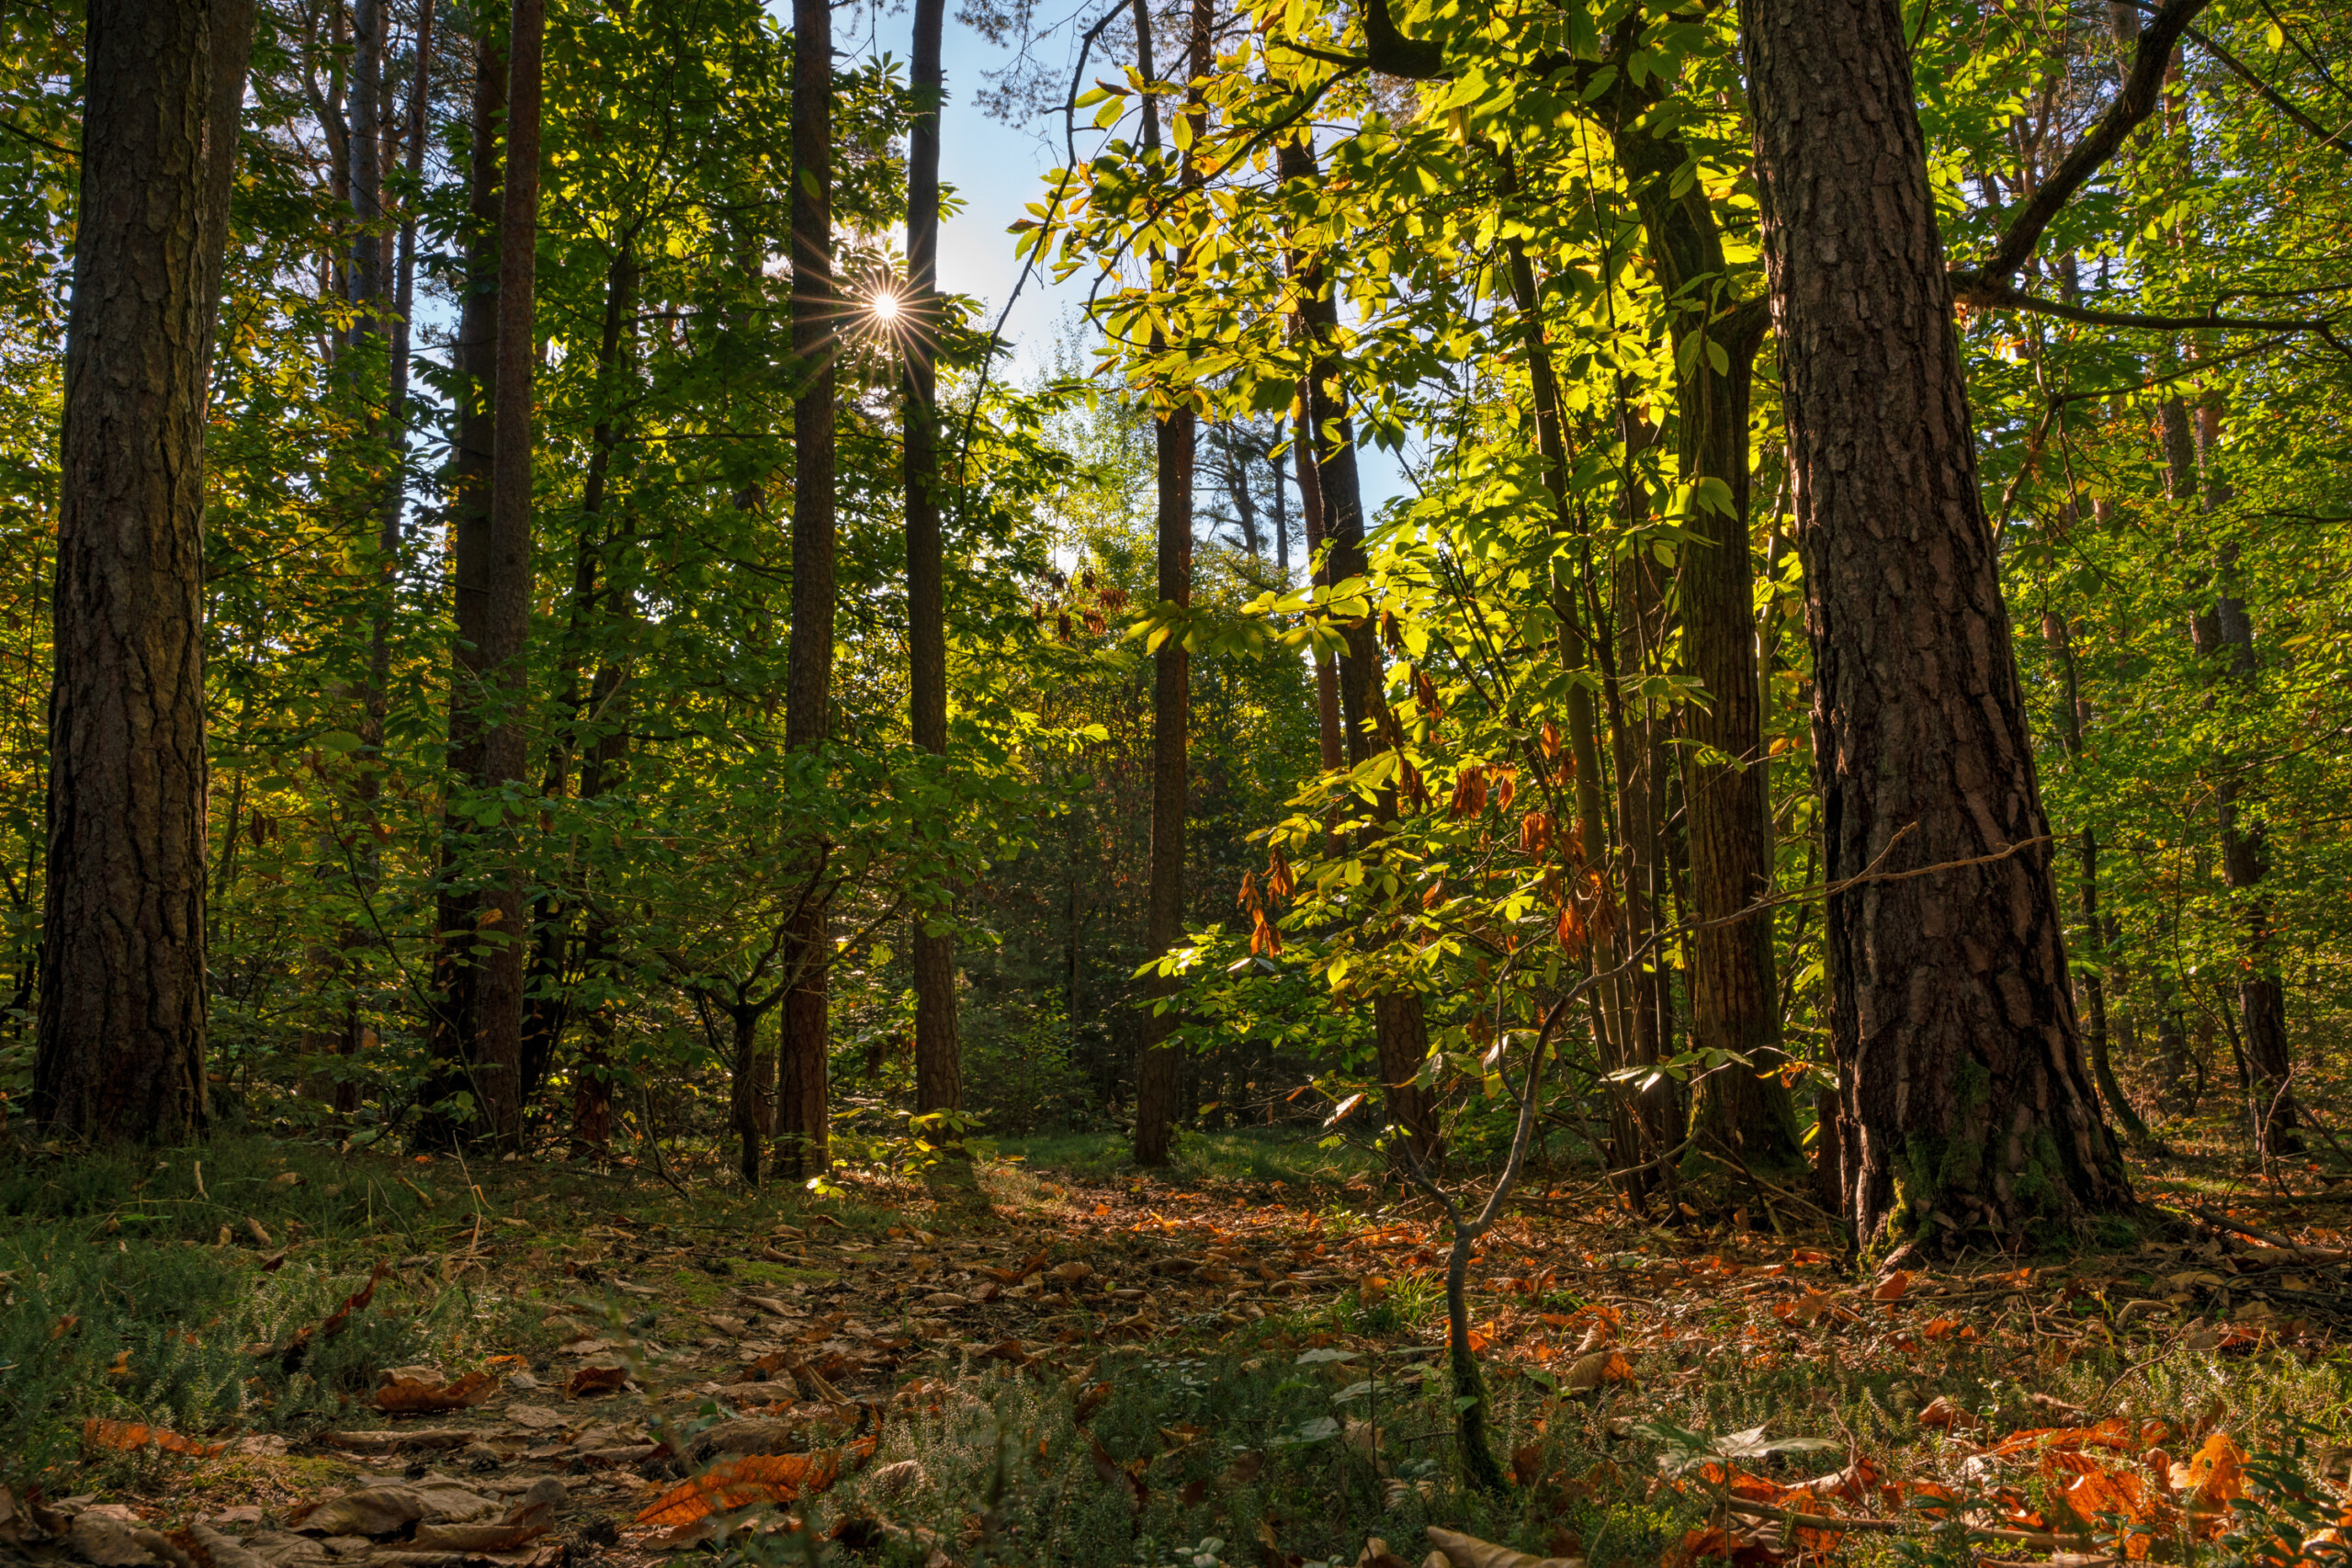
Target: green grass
(1259,1155)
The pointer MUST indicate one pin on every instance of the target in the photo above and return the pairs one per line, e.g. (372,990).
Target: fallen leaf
(1942,1412)
(403,1391)
(596,1380)
(131,1435)
(389,1508)
(1893,1287)
(1592,1371)
(751,1479)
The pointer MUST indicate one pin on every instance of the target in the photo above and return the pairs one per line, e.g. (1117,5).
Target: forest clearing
(1307,783)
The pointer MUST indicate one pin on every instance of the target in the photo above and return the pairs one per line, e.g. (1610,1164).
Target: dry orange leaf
(129,1435)
(752,1479)
(1893,1287)
(416,1395)
(1942,1328)
(2214,1476)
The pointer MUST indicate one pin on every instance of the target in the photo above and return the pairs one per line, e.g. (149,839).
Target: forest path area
(617,1381)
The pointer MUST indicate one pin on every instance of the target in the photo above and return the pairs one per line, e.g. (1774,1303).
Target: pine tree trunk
(1972,1107)
(803,1127)
(454,1031)
(120,1046)
(939,1069)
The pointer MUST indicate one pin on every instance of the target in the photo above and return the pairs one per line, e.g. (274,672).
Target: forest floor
(371,1360)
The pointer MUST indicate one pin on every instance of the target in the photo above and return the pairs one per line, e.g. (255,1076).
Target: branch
(19,131)
(2270,93)
(1970,289)
(1393,53)
(2131,105)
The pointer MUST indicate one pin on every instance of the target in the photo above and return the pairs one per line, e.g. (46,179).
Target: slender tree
(1157,1081)
(802,1127)
(119,1049)
(1970,1105)
(455,1032)
(939,1071)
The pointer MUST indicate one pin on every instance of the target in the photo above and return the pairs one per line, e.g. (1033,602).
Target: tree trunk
(752,1105)
(2262,1007)
(1310,507)
(1969,1100)
(454,1030)
(499,999)
(1738,1114)
(120,1047)
(1158,1080)
(2093,977)
(1400,1026)
(939,1068)
(803,1127)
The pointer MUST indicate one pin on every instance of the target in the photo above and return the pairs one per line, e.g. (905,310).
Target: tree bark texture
(1969,1096)
(506,629)
(455,1030)
(1737,1113)
(939,1069)
(120,1046)
(801,1111)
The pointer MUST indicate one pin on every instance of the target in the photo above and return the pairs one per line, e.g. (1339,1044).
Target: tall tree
(802,1126)
(506,633)
(454,1031)
(120,1043)
(1173,433)
(1400,1024)
(939,1072)
(1970,1105)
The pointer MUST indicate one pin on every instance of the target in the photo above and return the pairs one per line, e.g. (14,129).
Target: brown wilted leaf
(754,1478)
(1942,1413)
(1071,1273)
(1593,1370)
(1893,1287)
(596,1380)
(128,1435)
(404,1391)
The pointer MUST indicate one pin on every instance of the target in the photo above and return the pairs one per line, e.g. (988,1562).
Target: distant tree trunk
(939,1069)
(2093,977)
(498,1066)
(455,1028)
(1158,1080)
(1310,507)
(752,1103)
(1400,1024)
(119,1047)
(802,1148)
(1641,1127)
(2262,1007)
(1971,1102)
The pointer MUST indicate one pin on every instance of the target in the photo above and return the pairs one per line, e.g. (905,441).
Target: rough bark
(802,1112)
(454,1028)
(1970,1104)
(939,1068)
(506,629)
(119,1044)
